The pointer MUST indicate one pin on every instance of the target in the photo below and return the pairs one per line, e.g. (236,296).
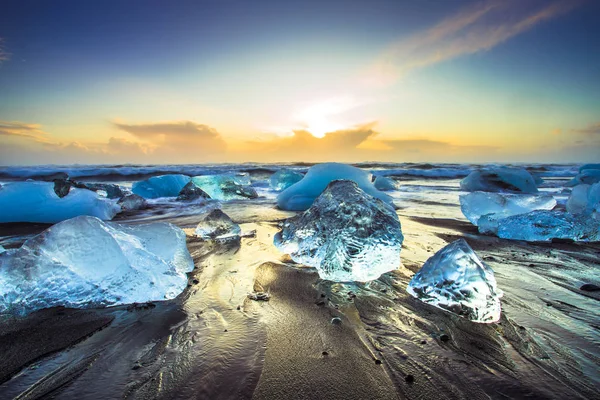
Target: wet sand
(212,342)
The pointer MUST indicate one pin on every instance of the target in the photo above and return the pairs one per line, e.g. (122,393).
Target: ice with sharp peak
(347,235)
(300,196)
(456,280)
(85,262)
(161,186)
(587,176)
(384,183)
(34,201)
(226,186)
(217,225)
(543,226)
(284,178)
(499,179)
(484,209)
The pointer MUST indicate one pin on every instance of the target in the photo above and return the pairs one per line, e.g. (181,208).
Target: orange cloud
(15,128)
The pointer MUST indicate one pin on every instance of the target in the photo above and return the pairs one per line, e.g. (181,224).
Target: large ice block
(284,178)
(161,186)
(33,201)
(301,195)
(217,225)
(347,235)
(84,262)
(484,209)
(543,226)
(499,179)
(456,280)
(384,183)
(586,176)
(226,186)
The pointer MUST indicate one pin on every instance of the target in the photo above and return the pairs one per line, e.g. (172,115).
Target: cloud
(592,129)
(4,55)
(15,128)
(474,29)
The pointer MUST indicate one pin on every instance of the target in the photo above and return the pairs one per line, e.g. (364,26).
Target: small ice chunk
(191,192)
(384,183)
(543,226)
(284,178)
(217,225)
(456,280)
(347,235)
(34,201)
(112,190)
(499,179)
(226,186)
(84,262)
(484,209)
(586,176)
(132,202)
(301,195)
(160,186)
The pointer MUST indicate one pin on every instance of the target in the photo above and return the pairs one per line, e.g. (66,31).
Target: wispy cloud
(15,128)
(4,54)
(593,129)
(475,29)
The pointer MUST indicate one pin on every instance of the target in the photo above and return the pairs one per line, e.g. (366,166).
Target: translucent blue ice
(587,176)
(160,186)
(284,178)
(484,209)
(589,166)
(384,183)
(543,226)
(499,179)
(217,225)
(301,195)
(456,280)
(226,186)
(38,202)
(347,235)
(84,262)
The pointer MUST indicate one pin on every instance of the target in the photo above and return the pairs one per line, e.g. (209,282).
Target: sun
(322,117)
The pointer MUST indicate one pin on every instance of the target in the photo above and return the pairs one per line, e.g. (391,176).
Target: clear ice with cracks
(543,226)
(85,262)
(301,195)
(586,176)
(284,178)
(347,235)
(217,225)
(484,209)
(384,183)
(499,179)
(226,186)
(33,201)
(160,186)
(456,280)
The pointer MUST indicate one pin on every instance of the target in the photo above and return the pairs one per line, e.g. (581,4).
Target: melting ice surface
(301,195)
(217,225)
(160,186)
(499,179)
(347,235)
(456,280)
(84,262)
(284,178)
(226,186)
(543,226)
(384,183)
(484,209)
(38,202)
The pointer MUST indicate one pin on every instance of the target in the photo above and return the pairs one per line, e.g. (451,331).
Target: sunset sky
(266,81)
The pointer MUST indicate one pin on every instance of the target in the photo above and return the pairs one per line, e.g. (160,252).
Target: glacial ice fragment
(347,235)
(112,190)
(586,176)
(456,280)
(384,183)
(2,249)
(284,178)
(484,209)
(226,186)
(499,179)
(301,195)
(589,166)
(34,201)
(217,225)
(132,202)
(192,192)
(84,262)
(543,226)
(160,186)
